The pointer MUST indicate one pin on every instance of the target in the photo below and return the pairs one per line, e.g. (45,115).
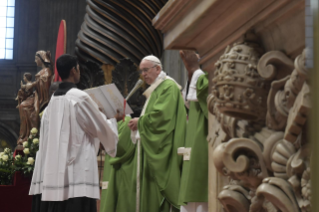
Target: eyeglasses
(144,70)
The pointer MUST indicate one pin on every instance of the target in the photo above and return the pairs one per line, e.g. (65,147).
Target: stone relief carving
(238,88)
(261,104)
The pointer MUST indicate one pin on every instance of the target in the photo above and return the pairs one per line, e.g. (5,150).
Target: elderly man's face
(150,71)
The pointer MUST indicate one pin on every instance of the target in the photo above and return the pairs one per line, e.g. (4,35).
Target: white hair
(154,60)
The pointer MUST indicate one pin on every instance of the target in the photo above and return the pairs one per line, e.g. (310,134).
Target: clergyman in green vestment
(194,184)
(145,176)
(119,176)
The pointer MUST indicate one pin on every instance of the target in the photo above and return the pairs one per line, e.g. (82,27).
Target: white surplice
(66,163)
(192,91)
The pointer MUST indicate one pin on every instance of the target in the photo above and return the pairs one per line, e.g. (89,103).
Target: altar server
(65,177)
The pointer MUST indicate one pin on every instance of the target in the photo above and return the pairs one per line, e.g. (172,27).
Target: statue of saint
(34,96)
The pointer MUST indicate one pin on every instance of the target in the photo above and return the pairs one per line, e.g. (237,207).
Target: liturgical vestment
(161,130)
(194,183)
(119,175)
(66,163)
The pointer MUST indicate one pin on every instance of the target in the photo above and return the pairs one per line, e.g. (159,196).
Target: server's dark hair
(64,64)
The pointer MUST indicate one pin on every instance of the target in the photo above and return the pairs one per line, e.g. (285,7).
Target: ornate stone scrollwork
(268,152)
(284,90)
(279,193)
(277,113)
(280,157)
(298,169)
(242,158)
(298,114)
(274,65)
(235,198)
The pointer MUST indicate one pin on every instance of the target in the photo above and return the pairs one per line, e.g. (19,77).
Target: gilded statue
(34,96)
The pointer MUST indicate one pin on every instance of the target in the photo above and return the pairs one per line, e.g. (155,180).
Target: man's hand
(190,60)
(133,124)
(118,116)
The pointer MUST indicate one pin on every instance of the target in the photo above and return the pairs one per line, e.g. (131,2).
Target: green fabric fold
(120,172)
(162,130)
(194,182)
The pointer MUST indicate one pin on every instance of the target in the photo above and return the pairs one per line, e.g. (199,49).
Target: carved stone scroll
(274,65)
(268,156)
(283,94)
(280,193)
(235,198)
(298,114)
(242,159)
(280,158)
(277,113)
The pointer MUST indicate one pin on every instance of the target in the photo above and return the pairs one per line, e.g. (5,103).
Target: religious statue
(34,96)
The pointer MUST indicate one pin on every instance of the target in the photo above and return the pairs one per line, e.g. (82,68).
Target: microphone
(138,84)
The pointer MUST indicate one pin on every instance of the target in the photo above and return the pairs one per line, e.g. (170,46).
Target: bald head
(150,67)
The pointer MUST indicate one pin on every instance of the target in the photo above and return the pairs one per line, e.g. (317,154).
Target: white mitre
(153,59)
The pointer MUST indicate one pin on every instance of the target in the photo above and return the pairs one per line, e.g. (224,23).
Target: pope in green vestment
(162,132)
(158,133)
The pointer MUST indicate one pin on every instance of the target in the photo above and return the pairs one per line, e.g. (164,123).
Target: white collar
(159,79)
(161,76)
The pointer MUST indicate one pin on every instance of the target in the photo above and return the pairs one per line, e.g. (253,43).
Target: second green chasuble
(120,173)
(194,184)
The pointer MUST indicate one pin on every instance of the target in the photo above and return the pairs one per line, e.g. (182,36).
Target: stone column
(174,67)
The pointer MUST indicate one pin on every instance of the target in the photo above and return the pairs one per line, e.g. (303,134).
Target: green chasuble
(194,183)
(120,173)
(162,131)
